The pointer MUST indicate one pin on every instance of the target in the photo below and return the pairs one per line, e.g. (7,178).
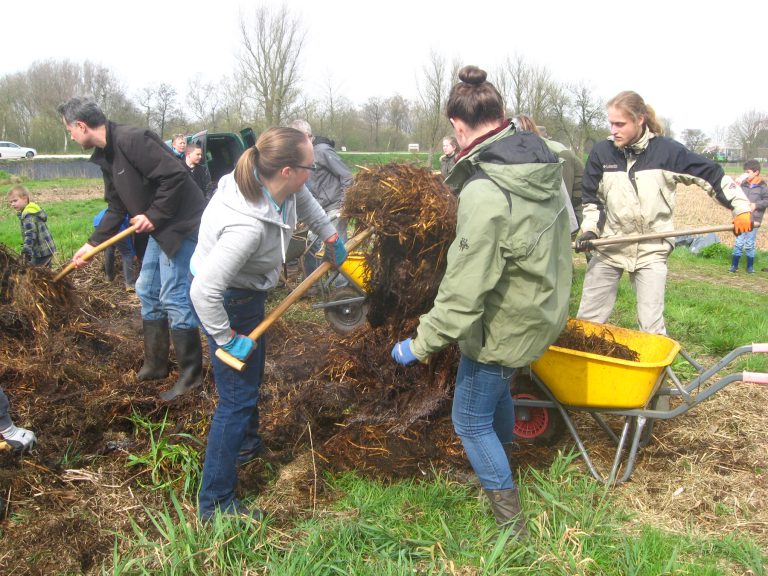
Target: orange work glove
(742,223)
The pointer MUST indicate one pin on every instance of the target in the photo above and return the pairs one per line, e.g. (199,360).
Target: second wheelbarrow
(567,381)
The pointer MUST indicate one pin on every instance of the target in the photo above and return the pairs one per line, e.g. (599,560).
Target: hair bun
(472,75)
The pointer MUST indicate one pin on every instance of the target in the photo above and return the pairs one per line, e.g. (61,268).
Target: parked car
(222,150)
(11,150)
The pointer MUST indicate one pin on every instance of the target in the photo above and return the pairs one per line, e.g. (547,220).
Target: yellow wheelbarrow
(564,381)
(346,308)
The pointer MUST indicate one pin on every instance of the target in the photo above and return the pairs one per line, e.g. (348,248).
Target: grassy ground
(439,524)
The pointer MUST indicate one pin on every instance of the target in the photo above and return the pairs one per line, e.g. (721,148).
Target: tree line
(264,89)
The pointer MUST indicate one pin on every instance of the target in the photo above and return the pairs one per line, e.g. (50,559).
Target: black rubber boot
(189,357)
(506,508)
(109,263)
(750,264)
(734,263)
(129,275)
(156,347)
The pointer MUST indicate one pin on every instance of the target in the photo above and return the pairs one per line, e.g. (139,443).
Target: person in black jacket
(328,183)
(198,169)
(142,177)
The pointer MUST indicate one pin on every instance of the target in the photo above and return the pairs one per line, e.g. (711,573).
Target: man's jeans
(236,420)
(163,285)
(484,418)
(745,242)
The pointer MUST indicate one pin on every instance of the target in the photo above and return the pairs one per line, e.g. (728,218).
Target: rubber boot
(109,263)
(156,347)
(506,508)
(129,275)
(750,264)
(189,357)
(734,264)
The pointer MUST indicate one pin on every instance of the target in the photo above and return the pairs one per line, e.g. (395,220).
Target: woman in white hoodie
(244,233)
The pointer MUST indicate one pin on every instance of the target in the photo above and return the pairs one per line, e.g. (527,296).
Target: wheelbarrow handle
(755,378)
(100,248)
(760,347)
(289,300)
(659,235)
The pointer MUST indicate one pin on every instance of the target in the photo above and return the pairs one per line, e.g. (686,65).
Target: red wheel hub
(536,423)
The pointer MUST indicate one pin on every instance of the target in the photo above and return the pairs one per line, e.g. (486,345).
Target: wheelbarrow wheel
(346,318)
(539,426)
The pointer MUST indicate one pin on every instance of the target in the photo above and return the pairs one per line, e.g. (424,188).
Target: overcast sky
(690,60)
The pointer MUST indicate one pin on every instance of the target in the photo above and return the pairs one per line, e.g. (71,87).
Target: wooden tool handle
(289,300)
(660,235)
(100,248)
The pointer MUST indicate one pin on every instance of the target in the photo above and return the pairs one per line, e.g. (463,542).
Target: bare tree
(146,101)
(16,111)
(695,139)
(562,128)
(433,93)
(108,91)
(373,112)
(589,112)
(398,115)
(745,131)
(269,61)
(204,100)
(165,106)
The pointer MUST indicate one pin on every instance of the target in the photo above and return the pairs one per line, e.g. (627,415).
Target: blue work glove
(239,346)
(584,242)
(402,354)
(335,251)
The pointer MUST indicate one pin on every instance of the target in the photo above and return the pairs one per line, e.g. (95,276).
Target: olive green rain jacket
(504,296)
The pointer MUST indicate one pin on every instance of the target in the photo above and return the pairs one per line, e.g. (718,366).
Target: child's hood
(34,209)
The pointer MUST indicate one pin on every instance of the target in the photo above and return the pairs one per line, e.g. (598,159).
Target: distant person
(127,255)
(38,247)
(504,295)
(756,191)
(450,152)
(244,233)
(329,180)
(179,145)
(142,178)
(18,438)
(572,167)
(198,169)
(629,188)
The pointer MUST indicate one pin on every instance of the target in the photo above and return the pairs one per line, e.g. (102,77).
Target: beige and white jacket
(632,191)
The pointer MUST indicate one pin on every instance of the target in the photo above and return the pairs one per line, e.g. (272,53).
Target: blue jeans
(236,419)
(484,418)
(745,242)
(163,285)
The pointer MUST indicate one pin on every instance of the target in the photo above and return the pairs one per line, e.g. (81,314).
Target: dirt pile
(365,411)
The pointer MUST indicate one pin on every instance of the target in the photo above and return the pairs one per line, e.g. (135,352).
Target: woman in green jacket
(504,296)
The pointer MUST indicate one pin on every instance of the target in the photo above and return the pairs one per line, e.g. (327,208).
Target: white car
(11,150)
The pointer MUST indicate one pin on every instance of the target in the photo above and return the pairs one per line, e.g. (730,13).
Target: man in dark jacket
(198,169)
(144,178)
(328,183)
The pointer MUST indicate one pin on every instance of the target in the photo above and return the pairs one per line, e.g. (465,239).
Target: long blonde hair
(634,105)
(274,150)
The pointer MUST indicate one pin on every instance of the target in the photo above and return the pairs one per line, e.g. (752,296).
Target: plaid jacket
(38,242)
